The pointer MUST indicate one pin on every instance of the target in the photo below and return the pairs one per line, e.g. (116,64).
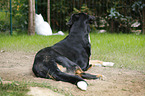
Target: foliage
(83,9)
(138,5)
(123,12)
(4,16)
(3,4)
(4,21)
(20,13)
(137,8)
(120,22)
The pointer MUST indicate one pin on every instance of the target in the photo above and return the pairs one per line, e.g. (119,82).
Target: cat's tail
(58,33)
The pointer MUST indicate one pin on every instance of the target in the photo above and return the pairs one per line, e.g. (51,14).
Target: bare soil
(16,66)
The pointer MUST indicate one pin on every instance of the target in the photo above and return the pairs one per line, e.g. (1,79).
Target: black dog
(71,54)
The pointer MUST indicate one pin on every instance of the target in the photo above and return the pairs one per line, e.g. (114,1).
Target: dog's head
(88,19)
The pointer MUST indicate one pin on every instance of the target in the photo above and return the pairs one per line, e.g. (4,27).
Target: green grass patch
(27,43)
(22,88)
(125,50)
(13,89)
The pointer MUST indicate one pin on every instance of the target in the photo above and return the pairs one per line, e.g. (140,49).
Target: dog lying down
(68,59)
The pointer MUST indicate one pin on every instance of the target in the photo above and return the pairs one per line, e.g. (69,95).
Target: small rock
(2,51)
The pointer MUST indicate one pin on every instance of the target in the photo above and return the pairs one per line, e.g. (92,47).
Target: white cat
(41,26)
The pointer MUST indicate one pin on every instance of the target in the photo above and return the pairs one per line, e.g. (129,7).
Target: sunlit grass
(13,89)
(125,50)
(27,43)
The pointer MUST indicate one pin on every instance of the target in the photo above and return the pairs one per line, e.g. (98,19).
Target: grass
(22,88)
(13,89)
(27,43)
(125,50)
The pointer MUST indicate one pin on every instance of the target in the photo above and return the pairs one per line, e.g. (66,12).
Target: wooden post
(33,33)
(112,26)
(48,11)
(31,22)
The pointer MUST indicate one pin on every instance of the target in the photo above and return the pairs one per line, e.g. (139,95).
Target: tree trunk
(112,26)
(31,21)
(48,11)
(33,33)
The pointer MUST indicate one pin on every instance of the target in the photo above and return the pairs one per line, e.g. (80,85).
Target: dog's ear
(73,18)
(69,23)
(91,19)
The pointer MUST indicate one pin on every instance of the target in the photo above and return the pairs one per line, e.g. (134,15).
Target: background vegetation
(19,15)
(118,20)
(114,16)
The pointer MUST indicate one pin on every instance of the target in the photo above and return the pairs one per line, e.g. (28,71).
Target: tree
(143,20)
(48,11)
(31,21)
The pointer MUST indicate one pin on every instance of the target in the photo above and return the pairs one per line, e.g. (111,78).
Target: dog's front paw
(82,85)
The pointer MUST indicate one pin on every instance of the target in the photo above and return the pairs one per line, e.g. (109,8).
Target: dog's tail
(51,70)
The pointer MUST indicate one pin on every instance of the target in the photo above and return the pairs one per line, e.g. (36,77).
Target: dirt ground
(118,82)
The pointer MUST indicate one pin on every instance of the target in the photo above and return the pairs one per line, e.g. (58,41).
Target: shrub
(4,21)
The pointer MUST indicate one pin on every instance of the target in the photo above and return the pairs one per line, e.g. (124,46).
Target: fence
(13,14)
(111,15)
(4,15)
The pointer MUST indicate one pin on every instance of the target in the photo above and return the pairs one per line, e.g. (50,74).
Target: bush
(4,21)
(118,22)
(20,14)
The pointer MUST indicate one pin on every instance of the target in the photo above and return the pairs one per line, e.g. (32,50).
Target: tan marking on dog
(63,69)
(99,75)
(90,67)
(78,71)
(50,76)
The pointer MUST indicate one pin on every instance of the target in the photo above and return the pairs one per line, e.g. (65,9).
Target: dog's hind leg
(65,62)
(84,75)
(57,74)
(74,79)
